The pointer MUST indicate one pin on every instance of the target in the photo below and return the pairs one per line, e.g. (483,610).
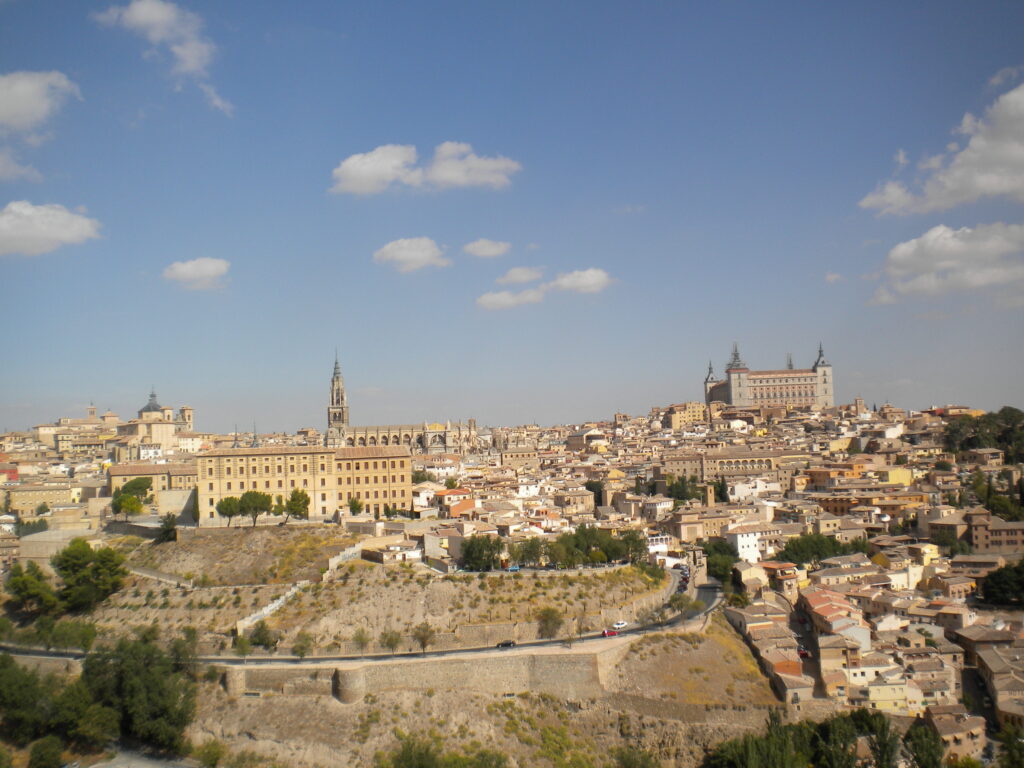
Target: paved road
(137,760)
(710,594)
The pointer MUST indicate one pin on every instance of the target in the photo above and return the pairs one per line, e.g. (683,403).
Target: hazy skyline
(519,213)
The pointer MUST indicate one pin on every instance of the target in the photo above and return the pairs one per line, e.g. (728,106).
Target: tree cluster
(812,547)
(252,504)
(87,577)
(130,497)
(133,689)
(830,744)
(721,556)
(1005,586)
(1003,429)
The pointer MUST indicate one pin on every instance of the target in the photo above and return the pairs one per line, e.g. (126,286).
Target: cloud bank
(454,165)
(520,275)
(945,260)
(990,165)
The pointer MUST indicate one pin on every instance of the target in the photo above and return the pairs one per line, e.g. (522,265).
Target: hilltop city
(818,559)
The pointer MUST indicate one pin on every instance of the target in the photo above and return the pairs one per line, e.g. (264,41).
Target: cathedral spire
(735,361)
(711,373)
(789,361)
(821,357)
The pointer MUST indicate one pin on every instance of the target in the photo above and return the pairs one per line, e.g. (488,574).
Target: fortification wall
(567,675)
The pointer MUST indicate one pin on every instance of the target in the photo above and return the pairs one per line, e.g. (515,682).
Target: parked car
(803,653)
(609,633)
(513,569)
(620,624)
(506,644)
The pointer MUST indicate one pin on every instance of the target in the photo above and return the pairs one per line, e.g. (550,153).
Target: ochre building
(377,477)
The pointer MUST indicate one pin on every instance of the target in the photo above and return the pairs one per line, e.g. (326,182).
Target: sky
(526,212)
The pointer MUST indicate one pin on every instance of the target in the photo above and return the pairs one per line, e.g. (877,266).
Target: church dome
(152,406)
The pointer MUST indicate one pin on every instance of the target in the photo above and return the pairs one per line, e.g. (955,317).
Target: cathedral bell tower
(337,411)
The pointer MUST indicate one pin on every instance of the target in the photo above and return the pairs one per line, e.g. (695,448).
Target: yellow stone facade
(378,477)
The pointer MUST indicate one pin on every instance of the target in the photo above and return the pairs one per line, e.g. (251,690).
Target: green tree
(253,504)
(303,645)
(297,505)
(139,487)
(390,639)
(210,753)
(136,678)
(29,589)
(549,621)
(26,702)
(884,743)
(168,529)
(596,487)
(228,508)
(451,483)
(481,553)
(46,753)
(944,466)
(636,546)
(5,758)
(43,509)
(263,636)
(362,639)
(89,575)
(680,602)
(1011,747)
(424,635)
(422,476)
(184,651)
(924,745)
(243,646)
(130,506)
(355,506)
(634,757)
(721,491)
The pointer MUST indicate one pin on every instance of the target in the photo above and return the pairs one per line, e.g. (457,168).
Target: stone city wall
(566,675)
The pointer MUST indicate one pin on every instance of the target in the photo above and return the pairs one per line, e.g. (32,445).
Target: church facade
(803,388)
(428,437)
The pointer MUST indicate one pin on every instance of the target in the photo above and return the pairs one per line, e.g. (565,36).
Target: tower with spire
(337,410)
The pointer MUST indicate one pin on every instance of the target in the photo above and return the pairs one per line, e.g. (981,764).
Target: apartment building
(378,477)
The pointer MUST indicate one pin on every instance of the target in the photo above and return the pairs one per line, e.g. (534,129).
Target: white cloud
(29,99)
(454,165)
(592,280)
(1004,75)
(411,253)
(179,31)
(990,165)
(487,249)
(832,277)
(582,281)
(520,275)
(11,169)
(510,299)
(215,100)
(900,157)
(32,230)
(370,173)
(945,260)
(202,274)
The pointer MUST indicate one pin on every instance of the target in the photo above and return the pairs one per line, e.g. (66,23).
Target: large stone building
(809,388)
(157,424)
(419,438)
(377,477)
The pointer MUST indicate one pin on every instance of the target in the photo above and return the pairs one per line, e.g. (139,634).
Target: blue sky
(209,198)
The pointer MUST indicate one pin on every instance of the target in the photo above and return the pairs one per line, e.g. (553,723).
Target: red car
(609,633)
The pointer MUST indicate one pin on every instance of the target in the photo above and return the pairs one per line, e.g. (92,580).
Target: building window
(211,486)
(279,483)
(323,482)
(323,497)
(229,486)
